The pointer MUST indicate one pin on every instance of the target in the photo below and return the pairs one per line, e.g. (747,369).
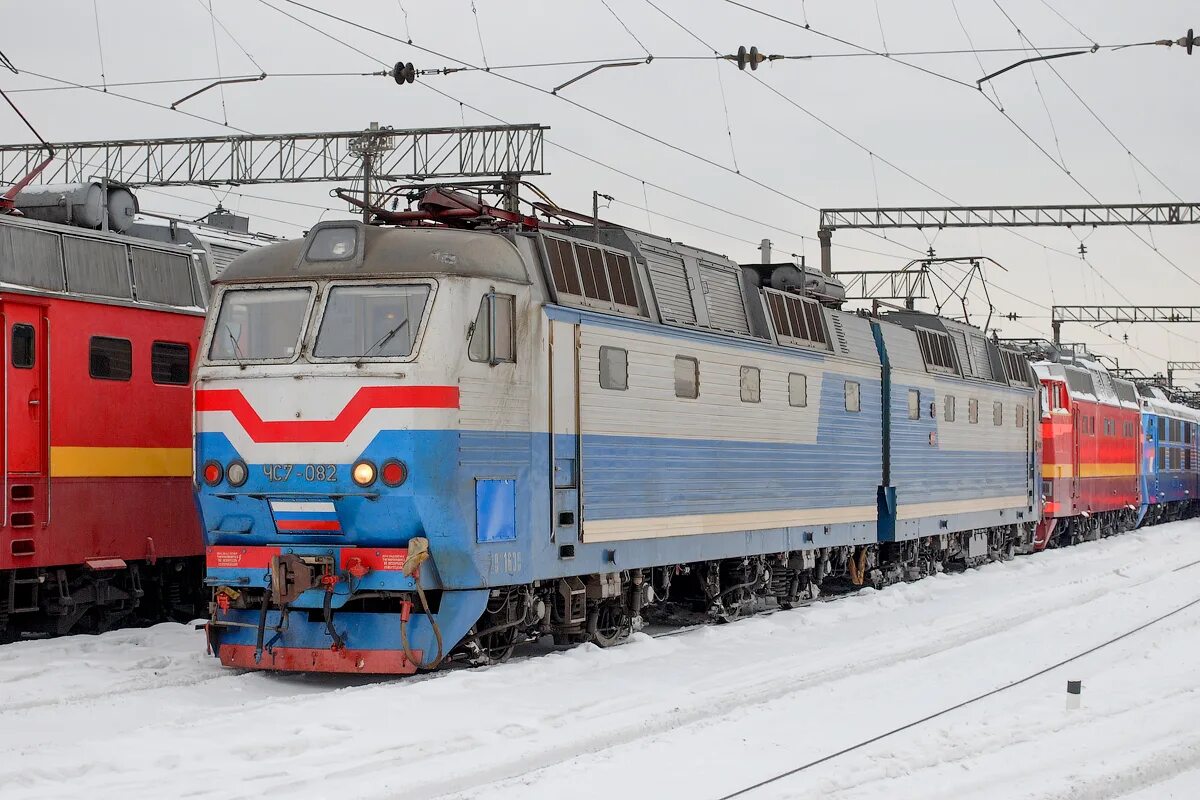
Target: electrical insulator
(404,72)
(751,57)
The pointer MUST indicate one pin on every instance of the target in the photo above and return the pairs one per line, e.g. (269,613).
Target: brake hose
(418,553)
(437,632)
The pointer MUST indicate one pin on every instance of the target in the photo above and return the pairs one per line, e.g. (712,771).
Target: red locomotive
(99,335)
(1091,431)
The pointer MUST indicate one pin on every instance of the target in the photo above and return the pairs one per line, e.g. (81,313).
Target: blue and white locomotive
(429,442)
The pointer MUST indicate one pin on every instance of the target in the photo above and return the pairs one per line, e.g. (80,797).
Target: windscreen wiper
(387,337)
(237,350)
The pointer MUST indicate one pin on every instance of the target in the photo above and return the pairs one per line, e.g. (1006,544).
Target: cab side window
(492,339)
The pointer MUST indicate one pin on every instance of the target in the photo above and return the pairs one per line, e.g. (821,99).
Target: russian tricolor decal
(310,516)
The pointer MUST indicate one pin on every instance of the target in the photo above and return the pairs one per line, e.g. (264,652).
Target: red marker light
(394,473)
(212,473)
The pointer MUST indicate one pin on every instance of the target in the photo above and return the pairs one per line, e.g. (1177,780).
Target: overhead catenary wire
(404,12)
(994,104)
(479,33)
(70,86)
(99,41)
(565,148)
(217,21)
(139,100)
(628,30)
(970,701)
(665,189)
(1086,190)
(971,43)
(1073,26)
(577,104)
(220,83)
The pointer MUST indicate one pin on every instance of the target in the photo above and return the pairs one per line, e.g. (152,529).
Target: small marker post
(1074,694)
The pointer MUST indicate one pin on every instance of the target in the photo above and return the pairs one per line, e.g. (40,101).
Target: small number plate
(318,473)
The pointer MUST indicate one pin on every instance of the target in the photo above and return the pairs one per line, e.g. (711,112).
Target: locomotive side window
(750,384)
(914,403)
(259,324)
(973,410)
(949,411)
(1020,416)
(170,363)
(492,333)
(687,377)
(110,359)
(853,397)
(614,368)
(997,414)
(798,390)
(374,321)
(22,346)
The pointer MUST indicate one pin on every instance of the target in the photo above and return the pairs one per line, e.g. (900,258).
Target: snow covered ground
(698,715)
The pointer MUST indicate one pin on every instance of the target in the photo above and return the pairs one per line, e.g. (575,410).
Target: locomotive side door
(564,436)
(1076,436)
(26,414)
(24,389)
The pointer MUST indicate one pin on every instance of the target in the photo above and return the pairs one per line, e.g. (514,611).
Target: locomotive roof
(383,252)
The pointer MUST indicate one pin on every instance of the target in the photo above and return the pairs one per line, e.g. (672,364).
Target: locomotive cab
(332,446)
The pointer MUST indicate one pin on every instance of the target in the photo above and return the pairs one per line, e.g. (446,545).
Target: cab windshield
(371,321)
(259,324)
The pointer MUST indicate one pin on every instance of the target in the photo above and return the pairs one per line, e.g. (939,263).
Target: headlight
(394,472)
(363,473)
(212,473)
(236,473)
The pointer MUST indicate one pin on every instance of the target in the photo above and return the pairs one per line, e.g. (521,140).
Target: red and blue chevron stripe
(365,400)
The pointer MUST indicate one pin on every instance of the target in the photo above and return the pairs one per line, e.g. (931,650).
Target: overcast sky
(954,145)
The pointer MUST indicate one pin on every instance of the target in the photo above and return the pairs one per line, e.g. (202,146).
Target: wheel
(609,624)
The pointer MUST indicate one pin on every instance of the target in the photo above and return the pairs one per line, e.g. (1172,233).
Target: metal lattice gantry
(1000,217)
(1012,216)
(413,154)
(1180,366)
(1103,315)
(882,284)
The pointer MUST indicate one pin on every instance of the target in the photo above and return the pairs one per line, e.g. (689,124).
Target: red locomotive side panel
(1108,457)
(1090,461)
(96,433)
